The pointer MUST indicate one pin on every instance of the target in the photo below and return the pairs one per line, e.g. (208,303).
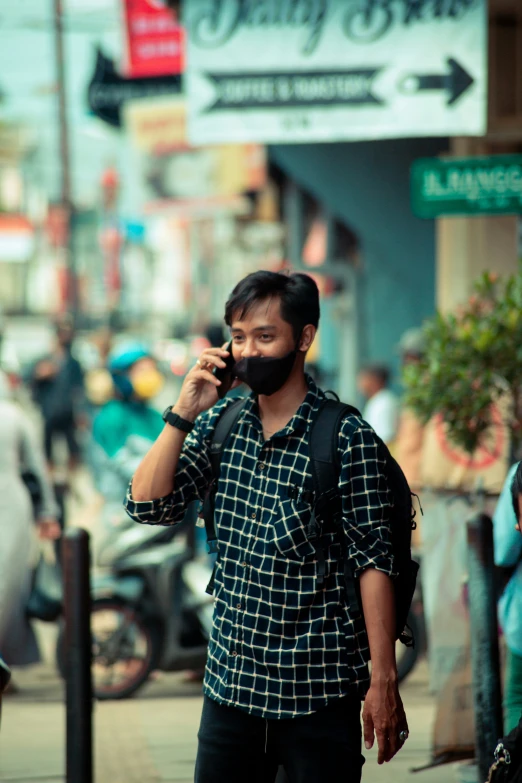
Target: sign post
(467,186)
(286,71)
(108,92)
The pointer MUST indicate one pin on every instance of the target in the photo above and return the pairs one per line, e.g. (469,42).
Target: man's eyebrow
(256,329)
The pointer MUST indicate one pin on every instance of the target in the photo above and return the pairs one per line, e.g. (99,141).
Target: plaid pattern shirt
(282,645)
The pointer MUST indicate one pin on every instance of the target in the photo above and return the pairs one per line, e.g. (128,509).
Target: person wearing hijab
(19,451)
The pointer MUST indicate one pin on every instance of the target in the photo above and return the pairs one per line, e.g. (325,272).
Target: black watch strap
(177,421)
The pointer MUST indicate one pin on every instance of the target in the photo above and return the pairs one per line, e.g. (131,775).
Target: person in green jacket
(127,425)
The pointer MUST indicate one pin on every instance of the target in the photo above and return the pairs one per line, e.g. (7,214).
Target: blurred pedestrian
(9,362)
(103,339)
(19,452)
(98,381)
(508,554)
(287,662)
(410,431)
(57,386)
(127,425)
(382,407)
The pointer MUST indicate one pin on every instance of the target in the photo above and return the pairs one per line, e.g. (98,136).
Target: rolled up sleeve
(366,500)
(193,476)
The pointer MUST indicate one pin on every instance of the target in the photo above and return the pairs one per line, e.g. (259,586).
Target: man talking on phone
(287,662)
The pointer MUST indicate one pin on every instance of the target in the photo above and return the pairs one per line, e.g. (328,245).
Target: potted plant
(473,360)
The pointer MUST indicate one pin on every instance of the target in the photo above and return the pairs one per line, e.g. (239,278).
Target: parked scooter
(149,609)
(408,657)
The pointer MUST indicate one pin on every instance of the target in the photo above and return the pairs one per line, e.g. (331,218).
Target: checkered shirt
(282,644)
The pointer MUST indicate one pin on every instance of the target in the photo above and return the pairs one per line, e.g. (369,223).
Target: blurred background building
(116,201)
(153,152)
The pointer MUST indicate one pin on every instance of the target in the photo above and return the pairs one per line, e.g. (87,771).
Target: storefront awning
(16,238)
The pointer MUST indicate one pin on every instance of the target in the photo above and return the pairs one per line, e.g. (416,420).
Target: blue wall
(366,184)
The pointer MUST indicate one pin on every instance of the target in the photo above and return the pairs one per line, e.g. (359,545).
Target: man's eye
(266,336)
(237,339)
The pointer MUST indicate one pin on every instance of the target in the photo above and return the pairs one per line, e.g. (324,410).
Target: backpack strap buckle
(293,492)
(298,494)
(328,506)
(321,563)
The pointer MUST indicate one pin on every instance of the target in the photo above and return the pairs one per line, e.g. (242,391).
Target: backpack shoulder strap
(325,467)
(222,431)
(324,457)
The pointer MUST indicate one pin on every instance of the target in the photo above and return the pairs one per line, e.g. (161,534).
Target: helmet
(123,357)
(120,362)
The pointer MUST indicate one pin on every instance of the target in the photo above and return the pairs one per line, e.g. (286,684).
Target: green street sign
(467,186)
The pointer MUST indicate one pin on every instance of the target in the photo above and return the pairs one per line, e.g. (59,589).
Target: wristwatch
(177,421)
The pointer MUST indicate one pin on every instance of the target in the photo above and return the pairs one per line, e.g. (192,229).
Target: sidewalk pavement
(152,738)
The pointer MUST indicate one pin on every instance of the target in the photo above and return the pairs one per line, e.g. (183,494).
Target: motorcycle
(408,657)
(149,609)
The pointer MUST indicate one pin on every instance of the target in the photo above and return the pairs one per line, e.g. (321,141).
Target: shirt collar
(301,418)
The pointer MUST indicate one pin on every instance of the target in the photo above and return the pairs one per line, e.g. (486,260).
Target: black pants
(66,427)
(235,747)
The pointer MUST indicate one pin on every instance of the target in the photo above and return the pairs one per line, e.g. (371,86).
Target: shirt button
(244,564)
(234,654)
(253,515)
(261,466)
(239,606)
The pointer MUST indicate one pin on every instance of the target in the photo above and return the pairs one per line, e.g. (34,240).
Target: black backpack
(325,500)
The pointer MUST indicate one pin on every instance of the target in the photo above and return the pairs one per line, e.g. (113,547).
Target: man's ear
(307,337)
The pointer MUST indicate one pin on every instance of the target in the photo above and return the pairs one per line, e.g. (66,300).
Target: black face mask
(265,374)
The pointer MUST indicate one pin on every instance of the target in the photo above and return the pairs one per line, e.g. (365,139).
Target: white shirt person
(382,407)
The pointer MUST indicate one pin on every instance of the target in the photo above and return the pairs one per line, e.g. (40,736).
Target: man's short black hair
(298,295)
(379,371)
(516,490)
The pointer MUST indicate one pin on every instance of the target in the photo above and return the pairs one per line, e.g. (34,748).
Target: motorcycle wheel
(125,649)
(407,656)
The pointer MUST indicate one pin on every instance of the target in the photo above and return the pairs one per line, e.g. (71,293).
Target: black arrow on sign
(108,90)
(456,82)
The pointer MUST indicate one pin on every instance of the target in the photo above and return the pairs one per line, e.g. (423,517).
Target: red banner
(155,40)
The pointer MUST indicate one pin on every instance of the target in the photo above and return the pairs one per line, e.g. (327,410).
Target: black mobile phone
(225,374)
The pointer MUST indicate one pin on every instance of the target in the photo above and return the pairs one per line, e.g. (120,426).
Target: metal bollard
(485,658)
(60,493)
(77,605)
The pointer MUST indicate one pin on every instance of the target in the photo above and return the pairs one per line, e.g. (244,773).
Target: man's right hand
(199,390)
